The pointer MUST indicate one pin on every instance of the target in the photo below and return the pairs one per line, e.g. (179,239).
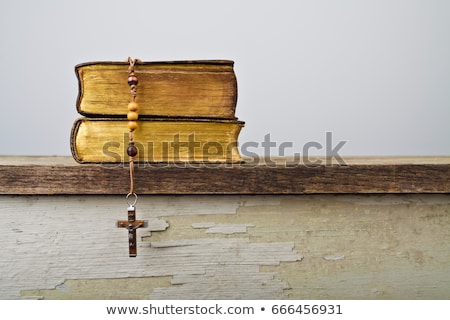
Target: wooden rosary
(132,224)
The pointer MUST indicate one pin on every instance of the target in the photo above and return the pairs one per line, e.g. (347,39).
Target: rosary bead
(132,80)
(132,150)
(132,125)
(132,116)
(133,106)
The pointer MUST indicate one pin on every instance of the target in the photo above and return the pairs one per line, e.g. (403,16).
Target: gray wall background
(375,73)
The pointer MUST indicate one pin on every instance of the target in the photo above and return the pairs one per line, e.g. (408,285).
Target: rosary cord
(131,175)
(132,117)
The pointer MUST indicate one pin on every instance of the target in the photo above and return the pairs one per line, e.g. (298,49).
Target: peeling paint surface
(230,269)
(227,247)
(334,257)
(222,228)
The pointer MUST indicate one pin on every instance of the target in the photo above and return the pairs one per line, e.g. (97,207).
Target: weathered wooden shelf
(62,175)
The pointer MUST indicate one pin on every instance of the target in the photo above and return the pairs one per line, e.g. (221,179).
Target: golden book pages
(102,140)
(200,89)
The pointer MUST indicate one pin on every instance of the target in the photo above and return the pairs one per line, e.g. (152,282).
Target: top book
(200,89)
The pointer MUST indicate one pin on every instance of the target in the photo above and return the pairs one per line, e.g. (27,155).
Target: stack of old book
(186,112)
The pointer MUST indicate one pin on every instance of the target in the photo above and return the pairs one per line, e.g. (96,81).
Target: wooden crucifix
(132,225)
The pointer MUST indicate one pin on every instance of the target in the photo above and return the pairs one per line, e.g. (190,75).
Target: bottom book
(98,140)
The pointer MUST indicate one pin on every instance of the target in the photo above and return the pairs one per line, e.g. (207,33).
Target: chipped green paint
(265,247)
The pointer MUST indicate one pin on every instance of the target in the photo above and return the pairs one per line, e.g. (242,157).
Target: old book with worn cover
(103,140)
(193,89)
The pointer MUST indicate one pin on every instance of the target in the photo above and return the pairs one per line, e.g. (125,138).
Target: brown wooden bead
(132,80)
(132,150)
(132,125)
(132,116)
(133,106)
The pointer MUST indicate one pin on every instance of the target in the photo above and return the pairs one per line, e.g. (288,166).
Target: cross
(131,225)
